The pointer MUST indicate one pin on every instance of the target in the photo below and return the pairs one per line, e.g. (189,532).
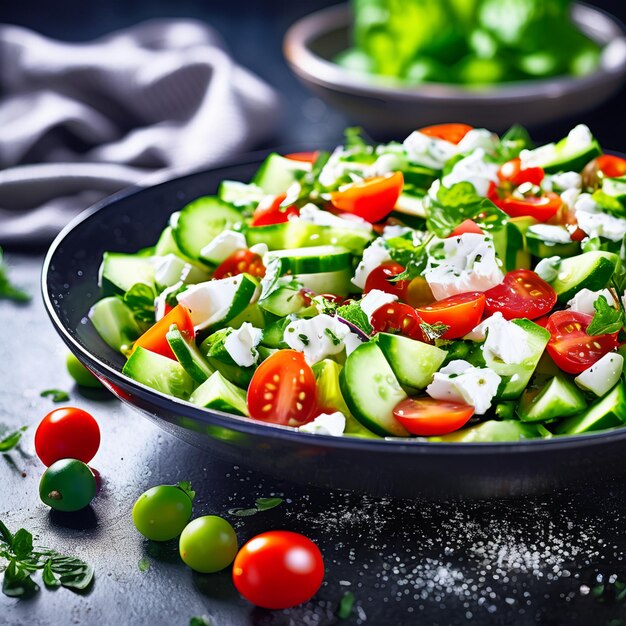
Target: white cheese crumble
(168,269)
(429,151)
(310,213)
(333,424)
(538,157)
(551,234)
(603,375)
(222,246)
(160,301)
(241,344)
(461,382)
(374,299)
(562,182)
(503,340)
(583,301)
(317,338)
(473,169)
(467,263)
(595,223)
(374,255)
(548,269)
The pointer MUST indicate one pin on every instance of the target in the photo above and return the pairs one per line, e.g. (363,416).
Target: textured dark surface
(516,563)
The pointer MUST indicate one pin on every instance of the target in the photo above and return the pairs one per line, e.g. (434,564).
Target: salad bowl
(407,468)
(392,109)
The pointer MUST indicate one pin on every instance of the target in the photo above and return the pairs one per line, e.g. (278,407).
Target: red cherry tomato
(372,199)
(270,212)
(427,416)
(397,318)
(382,277)
(282,390)
(305,157)
(67,433)
(512,172)
(570,347)
(542,208)
(448,132)
(278,569)
(522,293)
(154,339)
(611,166)
(240,262)
(578,235)
(467,226)
(462,313)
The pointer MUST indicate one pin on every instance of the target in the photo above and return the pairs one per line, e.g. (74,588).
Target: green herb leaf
(186,487)
(413,257)
(304,339)
(8,291)
(513,142)
(243,512)
(265,504)
(461,202)
(199,621)
(5,534)
(57,395)
(354,314)
(346,604)
(143,564)
(140,300)
(609,204)
(270,282)
(71,572)
(353,137)
(22,544)
(607,319)
(11,441)
(434,331)
(17,581)
(50,579)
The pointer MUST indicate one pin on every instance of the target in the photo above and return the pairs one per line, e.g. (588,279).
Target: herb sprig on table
(11,440)
(23,560)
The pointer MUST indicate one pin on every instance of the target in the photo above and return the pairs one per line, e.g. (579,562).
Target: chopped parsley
(56,395)
(336,341)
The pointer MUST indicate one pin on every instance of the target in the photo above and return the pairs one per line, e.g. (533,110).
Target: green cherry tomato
(82,376)
(208,544)
(162,512)
(67,485)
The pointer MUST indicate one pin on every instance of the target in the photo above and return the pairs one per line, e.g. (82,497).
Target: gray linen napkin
(80,121)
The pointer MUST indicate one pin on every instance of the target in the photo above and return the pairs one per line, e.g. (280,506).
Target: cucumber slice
(282,302)
(544,241)
(119,272)
(413,362)
(188,355)
(253,314)
(330,399)
(219,359)
(608,412)
(159,372)
(200,222)
(492,431)
(409,204)
(273,334)
(509,243)
(590,270)
(372,391)
(240,194)
(166,244)
(313,259)
(278,173)
(615,187)
(115,323)
(558,398)
(419,176)
(338,283)
(220,394)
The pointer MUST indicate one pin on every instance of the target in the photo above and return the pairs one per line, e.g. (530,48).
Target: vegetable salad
(458,286)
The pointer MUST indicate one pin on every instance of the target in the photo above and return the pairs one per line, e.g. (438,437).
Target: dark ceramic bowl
(132,220)
(387,109)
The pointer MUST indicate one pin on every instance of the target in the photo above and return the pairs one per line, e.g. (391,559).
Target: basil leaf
(56,395)
(8,291)
(265,504)
(11,441)
(354,314)
(22,544)
(5,534)
(17,582)
(140,300)
(607,319)
(513,142)
(412,257)
(49,578)
(344,610)
(71,571)
(185,486)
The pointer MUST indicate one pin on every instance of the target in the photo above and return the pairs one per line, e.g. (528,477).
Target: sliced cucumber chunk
(201,221)
(220,394)
(493,431)
(409,204)
(115,323)
(282,302)
(413,362)
(240,194)
(119,272)
(608,412)
(278,173)
(372,391)
(558,398)
(338,283)
(544,240)
(312,259)
(159,372)
(615,187)
(590,270)
(188,355)
(509,243)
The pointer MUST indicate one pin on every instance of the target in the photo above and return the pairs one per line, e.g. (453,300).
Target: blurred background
(253,31)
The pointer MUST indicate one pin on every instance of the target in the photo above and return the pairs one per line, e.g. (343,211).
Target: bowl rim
(316,69)
(249,426)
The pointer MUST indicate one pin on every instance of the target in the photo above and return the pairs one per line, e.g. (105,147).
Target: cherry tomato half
(448,132)
(305,157)
(462,313)
(522,293)
(542,208)
(399,319)
(155,340)
(283,390)
(512,172)
(67,433)
(611,166)
(372,199)
(278,569)
(570,347)
(467,226)
(270,212)
(240,262)
(427,416)
(382,277)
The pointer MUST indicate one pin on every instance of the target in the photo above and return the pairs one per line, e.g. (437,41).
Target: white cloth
(80,121)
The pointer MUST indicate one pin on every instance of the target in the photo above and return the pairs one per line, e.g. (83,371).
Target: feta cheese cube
(374,255)
(333,424)
(603,375)
(474,169)
(374,299)
(503,340)
(310,213)
(241,344)
(168,269)
(317,338)
(583,301)
(222,246)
